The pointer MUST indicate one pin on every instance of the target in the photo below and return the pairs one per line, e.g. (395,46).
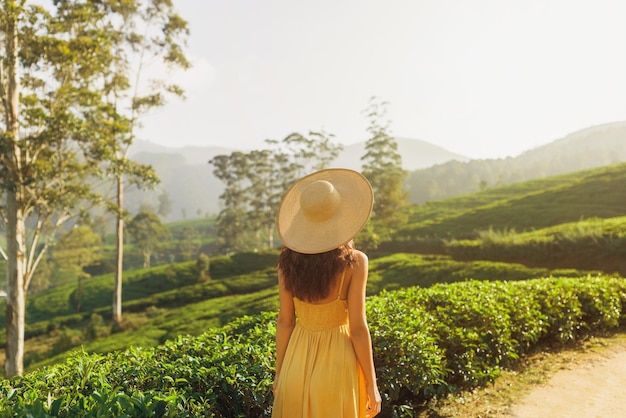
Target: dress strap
(341,283)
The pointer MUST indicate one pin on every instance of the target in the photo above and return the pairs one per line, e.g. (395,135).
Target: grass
(597,243)
(524,206)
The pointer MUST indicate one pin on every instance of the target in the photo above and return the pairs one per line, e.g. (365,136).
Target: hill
(165,305)
(575,220)
(415,154)
(587,148)
(435,173)
(522,206)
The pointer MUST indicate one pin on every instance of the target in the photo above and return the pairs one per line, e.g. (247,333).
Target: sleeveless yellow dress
(320,376)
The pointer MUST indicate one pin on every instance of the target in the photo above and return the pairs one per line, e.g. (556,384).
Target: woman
(324,362)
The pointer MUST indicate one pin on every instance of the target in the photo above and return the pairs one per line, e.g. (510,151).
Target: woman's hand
(374,402)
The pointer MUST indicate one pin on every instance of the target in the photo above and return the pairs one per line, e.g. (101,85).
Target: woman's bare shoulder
(359,256)
(361,262)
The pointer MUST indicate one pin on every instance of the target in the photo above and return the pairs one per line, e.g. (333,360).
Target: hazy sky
(482,78)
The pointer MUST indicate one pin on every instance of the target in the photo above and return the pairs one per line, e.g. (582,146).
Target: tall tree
(148,232)
(259,195)
(233,170)
(310,153)
(43,164)
(256,181)
(142,32)
(59,63)
(382,165)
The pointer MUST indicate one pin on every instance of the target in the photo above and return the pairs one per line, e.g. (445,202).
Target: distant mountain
(415,154)
(435,173)
(191,154)
(188,178)
(602,144)
(595,146)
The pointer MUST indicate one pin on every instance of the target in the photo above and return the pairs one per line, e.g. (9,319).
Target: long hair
(309,276)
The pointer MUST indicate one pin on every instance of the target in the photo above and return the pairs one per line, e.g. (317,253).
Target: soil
(593,386)
(587,380)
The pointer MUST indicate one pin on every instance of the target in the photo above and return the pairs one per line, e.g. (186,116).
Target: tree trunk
(15,232)
(16,293)
(146,258)
(117,293)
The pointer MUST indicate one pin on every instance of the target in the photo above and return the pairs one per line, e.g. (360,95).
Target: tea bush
(427,342)
(584,244)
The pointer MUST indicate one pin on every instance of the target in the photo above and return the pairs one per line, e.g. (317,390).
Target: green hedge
(592,244)
(427,342)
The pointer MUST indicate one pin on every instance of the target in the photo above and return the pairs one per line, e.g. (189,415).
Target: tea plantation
(465,289)
(427,342)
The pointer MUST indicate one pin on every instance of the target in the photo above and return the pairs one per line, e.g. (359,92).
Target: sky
(480,78)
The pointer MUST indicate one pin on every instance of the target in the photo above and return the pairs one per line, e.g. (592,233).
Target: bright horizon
(485,79)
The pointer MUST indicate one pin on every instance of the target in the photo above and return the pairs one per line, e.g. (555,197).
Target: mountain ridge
(434,172)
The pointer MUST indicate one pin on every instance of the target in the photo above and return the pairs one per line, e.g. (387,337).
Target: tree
(165,204)
(148,232)
(140,32)
(43,158)
(256,181)
(58,67)
(259,194)
(308,153)
(189,243)
(382,165)
(78,248)
(233,170)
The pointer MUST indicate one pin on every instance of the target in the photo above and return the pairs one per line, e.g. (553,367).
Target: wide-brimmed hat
(324,210)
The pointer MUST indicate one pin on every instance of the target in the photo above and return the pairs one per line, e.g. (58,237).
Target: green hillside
(595,243)
(510,234)
(519,207)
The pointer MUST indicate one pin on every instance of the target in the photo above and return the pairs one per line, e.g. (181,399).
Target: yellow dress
(320,376)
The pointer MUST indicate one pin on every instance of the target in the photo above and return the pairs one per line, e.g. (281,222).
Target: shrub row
(585,244)
(403,270)
(427,342)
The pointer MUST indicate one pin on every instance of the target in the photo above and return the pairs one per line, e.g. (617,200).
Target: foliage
(382,165)
(427,342)
(520,207)
(76,249)
(241,263)
(148,232)
(68,115)
(406,270)
(594,243)
(255,183)
(174,292)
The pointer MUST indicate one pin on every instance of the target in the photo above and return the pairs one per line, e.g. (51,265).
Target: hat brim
(305,236)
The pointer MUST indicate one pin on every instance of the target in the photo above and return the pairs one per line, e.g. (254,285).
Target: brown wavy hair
(309,276)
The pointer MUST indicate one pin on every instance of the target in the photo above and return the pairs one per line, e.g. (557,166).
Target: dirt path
(587,380)
(592,385)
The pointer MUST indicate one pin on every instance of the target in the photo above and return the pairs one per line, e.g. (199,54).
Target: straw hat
(324,210)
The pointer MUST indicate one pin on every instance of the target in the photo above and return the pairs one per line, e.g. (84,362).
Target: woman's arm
(285,324)
(359,331)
